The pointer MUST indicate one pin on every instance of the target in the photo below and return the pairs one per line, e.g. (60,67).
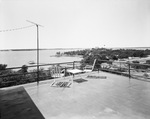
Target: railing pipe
(129,71)
(73,64)
(67,65)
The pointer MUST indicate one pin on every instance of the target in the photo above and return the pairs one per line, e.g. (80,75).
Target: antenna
(37,25)
(34,23)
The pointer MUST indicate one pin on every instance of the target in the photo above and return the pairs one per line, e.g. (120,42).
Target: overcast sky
(75,23)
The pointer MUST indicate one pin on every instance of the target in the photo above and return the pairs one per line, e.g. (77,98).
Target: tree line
(107,54)
(110,53)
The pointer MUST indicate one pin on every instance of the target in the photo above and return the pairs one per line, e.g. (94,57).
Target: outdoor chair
(89,68)
(57,72)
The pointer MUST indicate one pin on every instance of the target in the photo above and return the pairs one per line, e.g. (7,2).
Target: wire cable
(20,28)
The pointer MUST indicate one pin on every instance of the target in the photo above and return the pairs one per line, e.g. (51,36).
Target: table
(74,71)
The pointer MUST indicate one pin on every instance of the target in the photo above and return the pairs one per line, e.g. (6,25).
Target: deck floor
(113,97)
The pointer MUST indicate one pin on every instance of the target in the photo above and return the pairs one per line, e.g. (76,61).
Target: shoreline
(114,48)
(41,49)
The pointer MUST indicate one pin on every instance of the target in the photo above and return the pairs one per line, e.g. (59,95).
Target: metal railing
(18,75)
(132,70)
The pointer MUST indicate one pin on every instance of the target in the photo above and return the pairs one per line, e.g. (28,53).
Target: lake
(19,58)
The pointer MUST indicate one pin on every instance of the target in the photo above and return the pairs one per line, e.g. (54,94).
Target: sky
(75,23)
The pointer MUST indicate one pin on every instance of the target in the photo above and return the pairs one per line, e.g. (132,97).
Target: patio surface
(17,104)
(114,97)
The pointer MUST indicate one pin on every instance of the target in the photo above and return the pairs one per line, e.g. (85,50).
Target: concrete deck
(116,97)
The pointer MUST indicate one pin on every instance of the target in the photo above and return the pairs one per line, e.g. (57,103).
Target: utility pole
(37,26)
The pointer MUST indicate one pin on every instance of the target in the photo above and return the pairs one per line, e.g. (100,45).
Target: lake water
(19,58)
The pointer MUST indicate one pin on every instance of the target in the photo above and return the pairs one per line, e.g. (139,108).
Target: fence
(132,70)
(22,75)
(27,74)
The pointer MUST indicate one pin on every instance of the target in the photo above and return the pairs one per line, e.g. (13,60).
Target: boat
(31,62)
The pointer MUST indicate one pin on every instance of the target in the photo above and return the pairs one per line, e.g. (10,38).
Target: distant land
(135,48)
(41,49)
(114,48)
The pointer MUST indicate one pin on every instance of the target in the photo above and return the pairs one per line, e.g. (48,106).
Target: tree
(3,69)
(115,57)
(3,66)
(24,69)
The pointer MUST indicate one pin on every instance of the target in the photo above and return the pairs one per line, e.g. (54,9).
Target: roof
(113,97)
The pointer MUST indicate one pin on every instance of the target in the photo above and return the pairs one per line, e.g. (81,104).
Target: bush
(3,66)
(10,77)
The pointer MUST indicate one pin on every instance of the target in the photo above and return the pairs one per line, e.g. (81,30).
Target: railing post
(65,72)
(129,71)
(73,64)
(120,66)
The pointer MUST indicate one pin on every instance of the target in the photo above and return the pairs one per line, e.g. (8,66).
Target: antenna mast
(37,26)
